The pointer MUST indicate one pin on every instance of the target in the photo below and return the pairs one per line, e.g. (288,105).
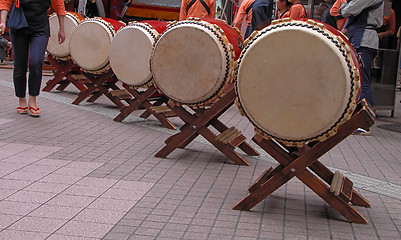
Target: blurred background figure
(323,7)
(263,12)
(387,30)
(5,45)
(198,9)
(245,9)
(334,12)
(283,6)
(297,10)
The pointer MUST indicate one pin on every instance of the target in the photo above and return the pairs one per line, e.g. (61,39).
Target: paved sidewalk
(74,173)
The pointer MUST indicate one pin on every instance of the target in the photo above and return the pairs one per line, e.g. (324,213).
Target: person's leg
(20,44)
(36,55)
(367,56)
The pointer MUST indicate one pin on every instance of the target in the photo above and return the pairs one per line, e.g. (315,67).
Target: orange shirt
(389,23)
(242,12)
(296,11)
(58,6)
(197,9)
(334,12)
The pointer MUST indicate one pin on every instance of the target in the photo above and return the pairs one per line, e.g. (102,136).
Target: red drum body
(90,43)
(131,49)
(71,21)
(193,61)
(297,81)
(233,36)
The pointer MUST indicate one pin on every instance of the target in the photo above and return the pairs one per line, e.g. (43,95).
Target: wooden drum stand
(143,99)
(64,74)
(198,122)
(333,188)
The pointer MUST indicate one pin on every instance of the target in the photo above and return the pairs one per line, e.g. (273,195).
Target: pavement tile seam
(112,113)
(119,186)
(165,223)
(263,157)
(333,216)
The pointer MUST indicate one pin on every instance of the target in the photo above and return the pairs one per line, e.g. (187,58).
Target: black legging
(34,47)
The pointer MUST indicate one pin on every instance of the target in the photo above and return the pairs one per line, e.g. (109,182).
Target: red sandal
(34,112)
(22,110)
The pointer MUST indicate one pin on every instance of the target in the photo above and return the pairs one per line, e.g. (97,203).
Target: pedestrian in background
(5,45)
(198,9)
(335,12)
(29,45)
(297,10)
(387,30)
(364,18)
(283,6)
(244,9)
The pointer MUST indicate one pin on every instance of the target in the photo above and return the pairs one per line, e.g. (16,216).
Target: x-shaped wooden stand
(198,122)
(140,99)
(64,76)
(100,85)
(305,166)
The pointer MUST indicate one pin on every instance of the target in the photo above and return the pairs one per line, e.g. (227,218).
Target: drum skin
(297,82)
(130,51)
(193,61)
(71,21)
(90,43)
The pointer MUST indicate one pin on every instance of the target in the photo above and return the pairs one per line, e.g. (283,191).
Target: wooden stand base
(198,122)
(305,166)
(99,85)
(63,75)
(143,99)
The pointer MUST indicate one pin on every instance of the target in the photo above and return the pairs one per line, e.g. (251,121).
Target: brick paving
(74,173)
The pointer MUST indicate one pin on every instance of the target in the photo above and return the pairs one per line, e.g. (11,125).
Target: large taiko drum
(71,21)
(193,61)
(90,43)
(130,51)
(297,81)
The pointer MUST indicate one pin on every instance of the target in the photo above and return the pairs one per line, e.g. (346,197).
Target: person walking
(29,46)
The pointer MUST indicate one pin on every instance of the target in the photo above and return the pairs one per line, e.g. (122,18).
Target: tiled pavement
(74,173)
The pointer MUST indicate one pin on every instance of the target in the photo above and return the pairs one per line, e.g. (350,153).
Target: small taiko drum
(90,43)
(297,81)
(71,21)
(131,49)
(193,61)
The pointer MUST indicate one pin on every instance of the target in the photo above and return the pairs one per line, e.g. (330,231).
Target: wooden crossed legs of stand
(100,85)
(64,76)
(306,167)
(138,99)
(198,122)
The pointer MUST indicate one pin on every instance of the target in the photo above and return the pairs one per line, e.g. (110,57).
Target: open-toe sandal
(22,110)
(34,112)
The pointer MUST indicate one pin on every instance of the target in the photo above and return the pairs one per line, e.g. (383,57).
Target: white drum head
(130,53)
(294,84)
(189,63)
(53,47)
(90,43)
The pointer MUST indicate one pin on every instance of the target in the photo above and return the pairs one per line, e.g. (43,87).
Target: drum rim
(354,83)
(229,56)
